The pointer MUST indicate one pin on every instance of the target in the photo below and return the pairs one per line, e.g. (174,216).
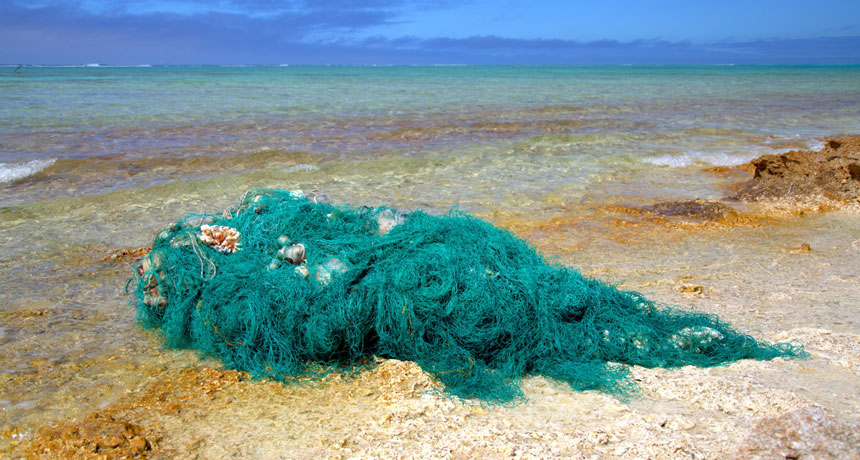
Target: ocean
(591,117)
(94,160)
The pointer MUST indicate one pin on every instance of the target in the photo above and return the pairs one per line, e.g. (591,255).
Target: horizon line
(97,65)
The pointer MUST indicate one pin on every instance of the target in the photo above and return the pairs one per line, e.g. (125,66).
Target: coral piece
(320,197)
(223,239)
(294,254)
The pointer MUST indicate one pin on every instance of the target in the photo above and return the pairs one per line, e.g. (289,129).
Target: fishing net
(286,285)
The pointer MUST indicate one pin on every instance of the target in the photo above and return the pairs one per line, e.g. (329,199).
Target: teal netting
(282,284)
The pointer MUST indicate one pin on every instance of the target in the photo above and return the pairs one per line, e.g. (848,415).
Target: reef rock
(832,172)
(98,436)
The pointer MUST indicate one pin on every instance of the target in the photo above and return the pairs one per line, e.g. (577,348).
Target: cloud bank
(334,32)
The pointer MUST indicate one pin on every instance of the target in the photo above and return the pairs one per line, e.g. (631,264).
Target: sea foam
(734,157)
(301,167)
(692,157)
(10,172)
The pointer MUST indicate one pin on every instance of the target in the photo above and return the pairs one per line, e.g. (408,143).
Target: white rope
(201,256)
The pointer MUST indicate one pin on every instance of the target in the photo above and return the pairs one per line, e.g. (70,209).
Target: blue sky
(429,32)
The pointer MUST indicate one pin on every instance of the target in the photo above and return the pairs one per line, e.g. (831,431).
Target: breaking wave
(692,157)
(10,172)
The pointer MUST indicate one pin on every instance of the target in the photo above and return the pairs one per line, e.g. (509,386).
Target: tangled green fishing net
(283,285)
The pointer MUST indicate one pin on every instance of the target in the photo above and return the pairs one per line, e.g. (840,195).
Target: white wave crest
(301,167)
(693,157)
(10,172)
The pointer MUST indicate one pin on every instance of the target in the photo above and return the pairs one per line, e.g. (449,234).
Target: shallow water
(124,151)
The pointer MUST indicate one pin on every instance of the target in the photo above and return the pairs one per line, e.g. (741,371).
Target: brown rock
(691,288)
(854,170)
(97,436)
(686,214)
(112,442)
(832,172)
(692,209)
(139,445)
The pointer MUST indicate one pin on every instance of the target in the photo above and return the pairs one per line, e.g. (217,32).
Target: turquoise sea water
(597,116)
(589,117)
(95,159)
(50,112)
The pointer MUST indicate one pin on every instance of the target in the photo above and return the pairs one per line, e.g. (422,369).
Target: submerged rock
(692,209)
(688,213)
(98,436)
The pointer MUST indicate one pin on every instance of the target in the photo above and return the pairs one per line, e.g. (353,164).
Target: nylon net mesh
(283,285)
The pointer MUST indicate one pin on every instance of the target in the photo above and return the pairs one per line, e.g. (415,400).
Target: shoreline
(600,168)
(780,276)
(758,277)
(682,412)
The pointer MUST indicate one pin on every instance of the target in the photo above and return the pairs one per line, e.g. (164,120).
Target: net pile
(284,285)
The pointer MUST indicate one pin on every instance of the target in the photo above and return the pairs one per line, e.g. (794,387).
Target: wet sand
(778,276)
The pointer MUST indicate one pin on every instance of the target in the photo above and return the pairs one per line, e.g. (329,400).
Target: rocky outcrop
(832,173)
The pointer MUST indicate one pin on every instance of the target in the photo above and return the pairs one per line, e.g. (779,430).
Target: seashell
(698,336)
(388,219)
(165,234)
(320,197)
(324,272)
(302,270)
(251,196)
(296,194)
(283,240)
(179,241)
(274,264)
(335,266)
(145,265)
(322,276)
(150,283)
(222,238)
(155,300)
(151,261)
(640,342)
(294,254)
